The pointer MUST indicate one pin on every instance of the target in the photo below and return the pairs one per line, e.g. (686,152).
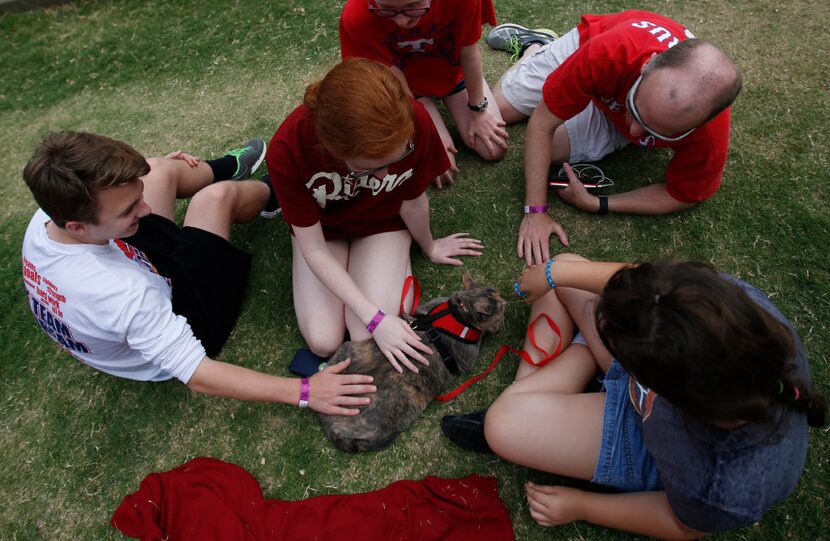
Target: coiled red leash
(412,282)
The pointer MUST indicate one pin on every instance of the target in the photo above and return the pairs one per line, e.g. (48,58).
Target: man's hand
(554,505)
(332,391)
(534,237)
(576,194)
(446,178)
(489,130)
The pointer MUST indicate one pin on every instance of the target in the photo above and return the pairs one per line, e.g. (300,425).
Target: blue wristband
(547,274)
(519,293)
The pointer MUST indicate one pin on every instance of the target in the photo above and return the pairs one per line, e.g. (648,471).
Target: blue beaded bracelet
(519,293)
(547,274)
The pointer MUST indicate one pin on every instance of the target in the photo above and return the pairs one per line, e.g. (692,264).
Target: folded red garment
(208,499)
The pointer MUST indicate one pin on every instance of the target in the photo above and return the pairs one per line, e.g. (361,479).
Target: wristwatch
(479,107)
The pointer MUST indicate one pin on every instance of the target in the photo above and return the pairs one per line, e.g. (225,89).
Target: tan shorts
(592,136)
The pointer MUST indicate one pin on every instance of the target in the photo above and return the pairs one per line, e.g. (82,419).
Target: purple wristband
(305,392)
(530,209)
(375,321)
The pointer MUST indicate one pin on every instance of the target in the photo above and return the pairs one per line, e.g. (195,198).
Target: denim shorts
(624,462)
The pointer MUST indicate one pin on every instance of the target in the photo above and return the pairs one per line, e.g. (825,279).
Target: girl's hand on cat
(398,343)
(446,249)
(331,392)
(534,283)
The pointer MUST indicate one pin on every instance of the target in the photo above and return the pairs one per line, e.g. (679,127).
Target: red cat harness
(444,319)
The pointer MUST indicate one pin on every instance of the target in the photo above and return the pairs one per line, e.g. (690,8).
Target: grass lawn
(205,76)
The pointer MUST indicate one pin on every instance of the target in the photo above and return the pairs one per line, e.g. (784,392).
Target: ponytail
(807,401)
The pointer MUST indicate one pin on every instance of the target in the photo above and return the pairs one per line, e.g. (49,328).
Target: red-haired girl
(349,167)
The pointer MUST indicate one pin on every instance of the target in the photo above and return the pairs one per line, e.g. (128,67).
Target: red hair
(361,110)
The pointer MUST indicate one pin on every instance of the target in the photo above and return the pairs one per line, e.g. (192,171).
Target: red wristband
(375,321)
(531,209)
(305,392)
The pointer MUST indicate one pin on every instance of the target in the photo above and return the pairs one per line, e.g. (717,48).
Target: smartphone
(306,364)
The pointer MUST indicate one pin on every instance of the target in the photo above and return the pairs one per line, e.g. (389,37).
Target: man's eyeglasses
(354,175)
(409,12)
(629,100)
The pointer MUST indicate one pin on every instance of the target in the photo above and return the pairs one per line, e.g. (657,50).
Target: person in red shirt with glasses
(432,46)
(350,167)
(631,77)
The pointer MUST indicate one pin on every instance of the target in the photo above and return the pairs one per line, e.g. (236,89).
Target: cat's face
(480,307)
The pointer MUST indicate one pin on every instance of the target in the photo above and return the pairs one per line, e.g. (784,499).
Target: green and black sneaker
(248,158)
(515,38)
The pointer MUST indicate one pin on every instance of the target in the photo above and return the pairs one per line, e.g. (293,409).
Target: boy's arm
(644,513)
(330,390)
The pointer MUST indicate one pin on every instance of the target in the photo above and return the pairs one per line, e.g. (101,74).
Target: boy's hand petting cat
(534,283)
(554,505)
(446,249)
(331,392)
(398,343)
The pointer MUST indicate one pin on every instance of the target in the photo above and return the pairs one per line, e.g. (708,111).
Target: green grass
(205,76)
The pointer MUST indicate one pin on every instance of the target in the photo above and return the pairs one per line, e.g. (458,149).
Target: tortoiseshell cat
(400,398)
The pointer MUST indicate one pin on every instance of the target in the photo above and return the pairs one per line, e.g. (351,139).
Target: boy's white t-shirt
(107,306)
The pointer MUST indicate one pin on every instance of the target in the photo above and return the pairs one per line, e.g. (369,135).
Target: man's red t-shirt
(612,50)
(311,184)
(429,54)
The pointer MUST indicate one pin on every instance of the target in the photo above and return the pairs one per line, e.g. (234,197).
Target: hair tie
(797,393)
(780,386)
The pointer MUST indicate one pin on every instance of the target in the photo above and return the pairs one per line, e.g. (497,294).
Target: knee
(498,424)
(492,156)
(323,344)
(161,171)
(570,257)
(217,195)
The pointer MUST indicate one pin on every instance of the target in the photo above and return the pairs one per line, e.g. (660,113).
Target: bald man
(631,77)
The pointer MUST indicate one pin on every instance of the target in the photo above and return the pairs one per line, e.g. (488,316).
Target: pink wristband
(530,209)
(305,392)
(375,321)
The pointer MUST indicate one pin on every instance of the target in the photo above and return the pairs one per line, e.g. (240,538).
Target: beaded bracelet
(547,274)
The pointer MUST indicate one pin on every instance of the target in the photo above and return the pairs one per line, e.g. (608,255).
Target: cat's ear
(468,282)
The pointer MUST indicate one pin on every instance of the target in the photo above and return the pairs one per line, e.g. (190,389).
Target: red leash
(416,295)
(412,282)
(520,352)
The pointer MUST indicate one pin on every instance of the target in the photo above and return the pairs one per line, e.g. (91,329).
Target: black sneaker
(248,158)
(272,208)
(466,431)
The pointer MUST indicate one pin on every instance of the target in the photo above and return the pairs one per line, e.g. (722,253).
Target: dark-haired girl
(702,422)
